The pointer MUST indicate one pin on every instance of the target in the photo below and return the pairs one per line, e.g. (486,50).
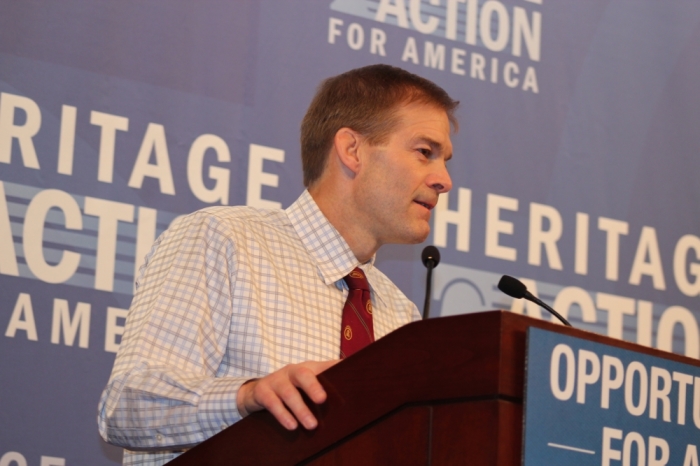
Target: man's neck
(338,209)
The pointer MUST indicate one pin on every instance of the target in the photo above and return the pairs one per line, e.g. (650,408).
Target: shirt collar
(324,243)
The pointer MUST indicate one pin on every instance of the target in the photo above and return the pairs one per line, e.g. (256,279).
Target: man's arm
(160,409)
(168,388)
(164,390)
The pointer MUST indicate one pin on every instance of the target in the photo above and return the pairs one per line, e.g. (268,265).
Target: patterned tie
(357,330)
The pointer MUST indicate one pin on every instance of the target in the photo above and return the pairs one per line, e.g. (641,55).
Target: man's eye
(425,152)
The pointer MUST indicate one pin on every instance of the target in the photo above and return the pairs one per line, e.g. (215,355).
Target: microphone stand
(428,285)
(431,258)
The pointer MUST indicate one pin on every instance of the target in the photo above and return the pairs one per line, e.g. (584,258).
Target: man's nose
(441,181)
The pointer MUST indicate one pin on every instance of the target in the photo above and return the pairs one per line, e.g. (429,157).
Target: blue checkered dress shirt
(228,294)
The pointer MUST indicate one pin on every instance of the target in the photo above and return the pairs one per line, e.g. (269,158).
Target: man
(238,309)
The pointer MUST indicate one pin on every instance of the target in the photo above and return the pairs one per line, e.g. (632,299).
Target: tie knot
(357,280)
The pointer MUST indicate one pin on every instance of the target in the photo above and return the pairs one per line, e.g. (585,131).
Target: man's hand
(279,393)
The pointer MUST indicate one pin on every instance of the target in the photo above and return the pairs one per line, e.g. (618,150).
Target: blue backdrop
(575,165)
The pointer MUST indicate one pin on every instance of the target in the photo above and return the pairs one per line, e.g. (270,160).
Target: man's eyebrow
(434,145)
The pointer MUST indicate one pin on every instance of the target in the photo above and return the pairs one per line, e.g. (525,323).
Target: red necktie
(357,331)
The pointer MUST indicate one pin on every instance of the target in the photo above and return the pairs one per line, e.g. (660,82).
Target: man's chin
(415,235)
(420,237)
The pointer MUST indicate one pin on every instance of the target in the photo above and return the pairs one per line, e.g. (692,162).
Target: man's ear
(347,146)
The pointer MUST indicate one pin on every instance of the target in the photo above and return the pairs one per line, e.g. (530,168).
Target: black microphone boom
(517,289)
(430,258)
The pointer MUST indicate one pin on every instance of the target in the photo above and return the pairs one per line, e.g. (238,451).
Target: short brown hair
(365,100)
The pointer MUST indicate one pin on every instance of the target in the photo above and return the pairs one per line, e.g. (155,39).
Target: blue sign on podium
(588,403)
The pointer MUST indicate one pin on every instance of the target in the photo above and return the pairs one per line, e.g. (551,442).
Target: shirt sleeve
(166,389)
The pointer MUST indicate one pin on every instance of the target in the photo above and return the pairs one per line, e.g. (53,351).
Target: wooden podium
(444,391)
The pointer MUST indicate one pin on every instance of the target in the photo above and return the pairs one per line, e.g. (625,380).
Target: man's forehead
(422,113)
(427,123)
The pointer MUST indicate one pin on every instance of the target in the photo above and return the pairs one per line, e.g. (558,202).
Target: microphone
(517,289)
(431,258)
(430,255)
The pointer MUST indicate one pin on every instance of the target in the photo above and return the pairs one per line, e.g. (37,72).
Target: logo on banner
(488,41)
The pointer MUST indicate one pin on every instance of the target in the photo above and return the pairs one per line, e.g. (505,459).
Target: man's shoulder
(243,213)
(237,218)
(225,224)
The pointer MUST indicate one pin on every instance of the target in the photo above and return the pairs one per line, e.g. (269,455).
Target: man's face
(401,179)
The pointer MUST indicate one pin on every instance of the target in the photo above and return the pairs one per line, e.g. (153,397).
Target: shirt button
(159,437)
(223,426)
